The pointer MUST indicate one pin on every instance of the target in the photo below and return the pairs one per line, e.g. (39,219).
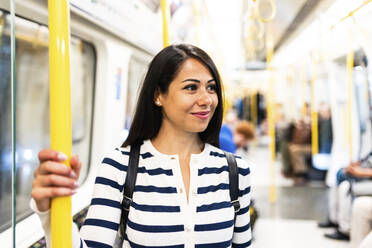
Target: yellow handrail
(314,111)
(270,110)
(60,111)
(166,18)
(351,13)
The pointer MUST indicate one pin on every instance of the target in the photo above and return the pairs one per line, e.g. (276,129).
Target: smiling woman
(169,75)
(176,125)
(188,98)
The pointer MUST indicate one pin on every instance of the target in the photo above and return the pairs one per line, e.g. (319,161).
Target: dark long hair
(163,69)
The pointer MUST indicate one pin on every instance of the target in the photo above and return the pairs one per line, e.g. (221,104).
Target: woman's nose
(204,98)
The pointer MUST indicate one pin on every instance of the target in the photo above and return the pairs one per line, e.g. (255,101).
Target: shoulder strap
(130,183)
(233,181)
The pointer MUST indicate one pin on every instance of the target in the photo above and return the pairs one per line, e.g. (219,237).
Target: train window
(5,134)
(32,108)
(137,70)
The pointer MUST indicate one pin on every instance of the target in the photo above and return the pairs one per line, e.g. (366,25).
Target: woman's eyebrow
(196,80)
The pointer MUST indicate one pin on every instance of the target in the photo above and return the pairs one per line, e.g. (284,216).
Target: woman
(182,196)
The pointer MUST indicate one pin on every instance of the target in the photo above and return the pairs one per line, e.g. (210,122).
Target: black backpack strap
(233,182)
(130,183)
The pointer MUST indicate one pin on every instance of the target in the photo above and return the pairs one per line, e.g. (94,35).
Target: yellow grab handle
(273,11)
(60,111)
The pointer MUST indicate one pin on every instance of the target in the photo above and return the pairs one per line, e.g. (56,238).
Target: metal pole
(60,111)
(13,111)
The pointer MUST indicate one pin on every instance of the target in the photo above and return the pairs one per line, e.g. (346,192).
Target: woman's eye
(190,87)
(212,87)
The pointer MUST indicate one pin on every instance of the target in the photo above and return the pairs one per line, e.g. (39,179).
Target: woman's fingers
(50,167)
(49,154)
(55,180)
(41,193)
(75,165)
(47,186)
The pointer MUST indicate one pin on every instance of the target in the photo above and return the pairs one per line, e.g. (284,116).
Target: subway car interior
(297,89)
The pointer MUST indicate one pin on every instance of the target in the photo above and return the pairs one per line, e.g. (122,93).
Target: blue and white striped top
(160,215)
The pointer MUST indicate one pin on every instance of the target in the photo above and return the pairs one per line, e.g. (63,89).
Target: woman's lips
(202,115)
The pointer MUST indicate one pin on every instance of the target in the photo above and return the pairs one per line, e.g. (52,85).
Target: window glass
(137,70)
(32,108)
(5,126)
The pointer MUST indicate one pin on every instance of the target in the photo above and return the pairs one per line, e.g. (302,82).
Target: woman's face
(191,99)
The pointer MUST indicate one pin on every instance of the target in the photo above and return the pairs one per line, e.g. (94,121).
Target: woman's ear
(157,100)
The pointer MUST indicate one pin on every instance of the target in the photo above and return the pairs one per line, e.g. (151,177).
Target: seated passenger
(352,181)
(325,135)
(226,133)
(361,229)
(285,136)
(231,141)
(299,149)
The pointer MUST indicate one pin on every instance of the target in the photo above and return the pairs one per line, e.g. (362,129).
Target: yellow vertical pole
(269,56)
(60,111)
(314,111)
(166,18)
(350,65)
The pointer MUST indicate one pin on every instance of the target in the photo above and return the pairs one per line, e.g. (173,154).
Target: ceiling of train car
(224,21)
(289,16)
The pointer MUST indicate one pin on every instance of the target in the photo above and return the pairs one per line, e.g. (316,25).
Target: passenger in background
(182,196)
(299,148)
(239,138)
(352,181)
(281,124)
(226,133)
(361,227)
(325,134)
(243,134)
(285,138)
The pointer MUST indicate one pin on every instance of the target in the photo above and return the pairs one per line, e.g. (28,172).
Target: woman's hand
(53,179)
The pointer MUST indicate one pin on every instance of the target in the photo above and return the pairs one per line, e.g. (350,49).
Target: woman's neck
(172,141)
